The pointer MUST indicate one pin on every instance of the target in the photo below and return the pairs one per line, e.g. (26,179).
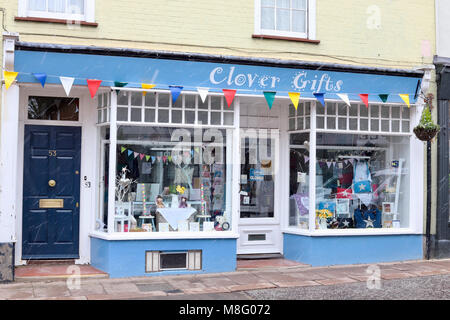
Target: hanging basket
(425,134)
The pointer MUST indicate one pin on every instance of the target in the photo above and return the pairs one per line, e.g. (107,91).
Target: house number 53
(52,153)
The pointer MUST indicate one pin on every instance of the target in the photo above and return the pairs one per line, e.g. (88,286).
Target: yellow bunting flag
(9,78)
(405,98)
(147,86)
(295,97)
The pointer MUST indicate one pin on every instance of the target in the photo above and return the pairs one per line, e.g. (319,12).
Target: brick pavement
(174,287)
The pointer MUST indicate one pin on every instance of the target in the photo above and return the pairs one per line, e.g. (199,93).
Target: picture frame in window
(342,206)
(387,207)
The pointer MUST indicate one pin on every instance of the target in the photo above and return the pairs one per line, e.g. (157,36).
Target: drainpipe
(421,104)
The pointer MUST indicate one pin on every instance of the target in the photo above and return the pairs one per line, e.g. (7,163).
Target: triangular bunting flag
(306,159)
(169,158)
(295,97)
(344,97)
(175,90)
(320,97)
(383,97)
(122,149)
(203,92)
(130,152)
(329,164)
(351,161)
(229,95)
(405,97)
(119,84)
(147,87)
(136,154)
(365,98)
(153,159)
(41,77)
(147,157)
(159,158)
(93,86)
(67,83)
(9,76)
(270,96)
(164,158)
(141,156)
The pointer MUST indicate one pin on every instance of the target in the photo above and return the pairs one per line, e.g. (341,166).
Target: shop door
(259,223)
(51,192)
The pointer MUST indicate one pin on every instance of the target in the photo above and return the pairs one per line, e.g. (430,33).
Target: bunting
(203,92)
(175,90)
(120,85)
(405,97)
(93,86)
(320,97)
(295,98)
(41,77)
(270,97)
(344,97)
(229,95)
(148,86)
(67,83)
(9,77)
(383,97)
(365,98)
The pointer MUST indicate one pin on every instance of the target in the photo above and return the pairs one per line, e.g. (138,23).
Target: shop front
(159,170)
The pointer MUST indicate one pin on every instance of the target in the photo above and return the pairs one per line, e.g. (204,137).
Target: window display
(299,181)
(362,181)
(171,179)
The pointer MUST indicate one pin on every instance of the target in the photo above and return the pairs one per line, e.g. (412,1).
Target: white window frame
(310,33)
(88,16)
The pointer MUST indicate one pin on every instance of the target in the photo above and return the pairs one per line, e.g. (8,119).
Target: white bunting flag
(203,92)
(306,159)
(136,154)
(67,83)
(344,97)
(329,164)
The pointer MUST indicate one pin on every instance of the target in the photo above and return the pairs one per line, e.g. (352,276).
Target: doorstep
(56,271)
(267,263)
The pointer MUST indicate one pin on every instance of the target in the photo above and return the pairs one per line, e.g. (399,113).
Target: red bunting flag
(365,98)
(93,86)
(229,95)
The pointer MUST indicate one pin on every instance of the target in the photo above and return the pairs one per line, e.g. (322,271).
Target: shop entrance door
(51,192)
(259,223)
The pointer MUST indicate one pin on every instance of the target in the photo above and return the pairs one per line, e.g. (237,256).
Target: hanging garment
(362,180)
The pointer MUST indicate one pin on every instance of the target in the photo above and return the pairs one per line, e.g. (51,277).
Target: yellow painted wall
(226,27)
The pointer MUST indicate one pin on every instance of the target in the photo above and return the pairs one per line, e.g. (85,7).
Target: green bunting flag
(122,149)
(383,97)
(270,96)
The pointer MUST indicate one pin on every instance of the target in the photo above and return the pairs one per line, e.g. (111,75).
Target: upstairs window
(288,18)
(77,10)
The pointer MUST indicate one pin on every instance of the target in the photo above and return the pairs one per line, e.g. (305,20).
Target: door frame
(89,154)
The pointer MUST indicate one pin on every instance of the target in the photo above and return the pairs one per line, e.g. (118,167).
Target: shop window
(300,118)
(299,181)
(170,179)
(54,108)
(289,18)
(362,181)
(77,10)
(156,107)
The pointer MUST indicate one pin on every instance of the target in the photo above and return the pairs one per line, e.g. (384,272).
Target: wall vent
(173,260)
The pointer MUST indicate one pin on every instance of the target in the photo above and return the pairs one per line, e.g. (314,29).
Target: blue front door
(51,192)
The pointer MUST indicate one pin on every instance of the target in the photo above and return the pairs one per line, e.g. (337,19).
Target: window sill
(262,36)
(350,232)
(61,21)
(117,236)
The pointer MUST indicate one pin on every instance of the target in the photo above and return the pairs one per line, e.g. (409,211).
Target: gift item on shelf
(362,180)
(367,217)
(345,223)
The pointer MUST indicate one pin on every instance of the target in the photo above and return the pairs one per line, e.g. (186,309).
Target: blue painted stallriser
(127,258)
(327,251)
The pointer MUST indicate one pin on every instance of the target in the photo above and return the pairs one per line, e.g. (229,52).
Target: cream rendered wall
(379,33)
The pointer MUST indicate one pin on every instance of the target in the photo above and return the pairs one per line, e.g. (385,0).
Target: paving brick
(51,290)
(206,290)
(306,283)
(396,275)
(255,286)
(113,288)
(328,282)
(22,293)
